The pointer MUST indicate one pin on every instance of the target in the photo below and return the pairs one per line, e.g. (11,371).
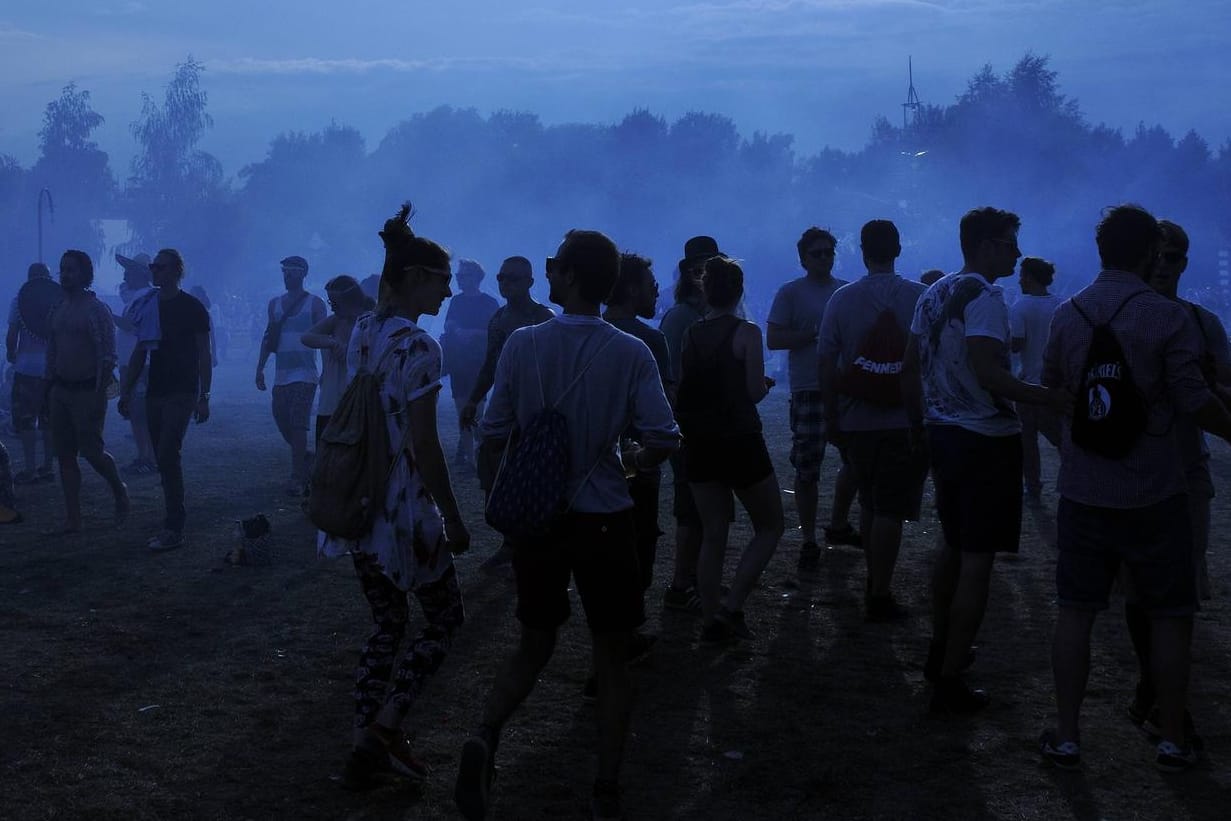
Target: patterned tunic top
(407,538)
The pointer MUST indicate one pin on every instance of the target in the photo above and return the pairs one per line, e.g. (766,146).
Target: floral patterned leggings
(441,602)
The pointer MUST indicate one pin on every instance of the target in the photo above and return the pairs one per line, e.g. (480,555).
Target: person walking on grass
(180,376)
(295,375)
(331,336)
(863,341)
(1127,505)
(793,325)
(464,344)
(722,379)
(960,341)
(136,292)
(409,550)
(26,349)
(603,382)
(81,366)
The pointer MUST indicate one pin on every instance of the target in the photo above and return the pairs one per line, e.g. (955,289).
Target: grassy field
(140,686)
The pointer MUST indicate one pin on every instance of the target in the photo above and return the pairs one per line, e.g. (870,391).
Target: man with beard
(80,365)
(181,371)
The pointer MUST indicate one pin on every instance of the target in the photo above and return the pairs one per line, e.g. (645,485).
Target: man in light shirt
(1029,320)
(594,542)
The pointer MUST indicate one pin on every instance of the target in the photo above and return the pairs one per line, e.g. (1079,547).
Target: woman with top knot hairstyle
(409,548)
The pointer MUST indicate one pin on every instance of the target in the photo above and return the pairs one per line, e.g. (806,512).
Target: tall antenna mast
(912,104)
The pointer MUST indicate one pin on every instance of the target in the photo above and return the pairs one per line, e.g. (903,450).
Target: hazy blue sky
(819,69)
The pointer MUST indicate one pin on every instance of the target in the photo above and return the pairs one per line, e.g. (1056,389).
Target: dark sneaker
(717,633)
(606,804)
(472,792)
(735,621)
(640,646)
(936,659)
(684,599)
(954,697)
(1173,759)
(1065,755)
(845,534)
(377,759)
(404,762)
(167,540)
(810,556)
(1150,726)
(880,609)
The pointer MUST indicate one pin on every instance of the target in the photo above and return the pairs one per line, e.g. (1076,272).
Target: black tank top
(713,398)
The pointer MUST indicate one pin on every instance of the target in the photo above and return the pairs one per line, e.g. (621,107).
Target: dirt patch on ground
(139,686)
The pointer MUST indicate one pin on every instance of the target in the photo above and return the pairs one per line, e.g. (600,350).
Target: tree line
(502,184)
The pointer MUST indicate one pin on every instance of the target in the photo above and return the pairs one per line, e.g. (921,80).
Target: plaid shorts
(293,406)
(807,435)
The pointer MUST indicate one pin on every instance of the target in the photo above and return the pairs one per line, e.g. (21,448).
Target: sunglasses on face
(821,253)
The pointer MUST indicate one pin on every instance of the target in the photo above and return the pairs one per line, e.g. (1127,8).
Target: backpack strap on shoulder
(576,379)
(1114,313)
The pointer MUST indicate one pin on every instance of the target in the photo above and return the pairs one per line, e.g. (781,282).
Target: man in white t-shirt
(960,342)
(793,325)
(1029,321)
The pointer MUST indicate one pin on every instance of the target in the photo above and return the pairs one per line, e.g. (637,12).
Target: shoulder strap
(610,338)
(1200,325)
(287,313)
(1114,313)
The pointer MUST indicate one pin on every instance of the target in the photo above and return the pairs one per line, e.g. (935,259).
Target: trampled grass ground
(140,686)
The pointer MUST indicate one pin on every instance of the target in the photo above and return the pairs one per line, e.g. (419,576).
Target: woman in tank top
(721,381)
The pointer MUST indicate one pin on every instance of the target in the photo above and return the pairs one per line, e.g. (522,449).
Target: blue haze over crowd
(509,123)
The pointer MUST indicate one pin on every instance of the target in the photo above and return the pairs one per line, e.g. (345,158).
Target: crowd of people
(904,378)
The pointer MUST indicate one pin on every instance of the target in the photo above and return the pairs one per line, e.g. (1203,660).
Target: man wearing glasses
(173,328)
(793,325)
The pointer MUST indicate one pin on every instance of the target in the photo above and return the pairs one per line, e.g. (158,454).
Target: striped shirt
(1161,345)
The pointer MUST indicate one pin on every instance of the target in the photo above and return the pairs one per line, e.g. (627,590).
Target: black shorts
(890,473)
(1155,543)
(978,488)
(683,506)
(735,461)
(599,552)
